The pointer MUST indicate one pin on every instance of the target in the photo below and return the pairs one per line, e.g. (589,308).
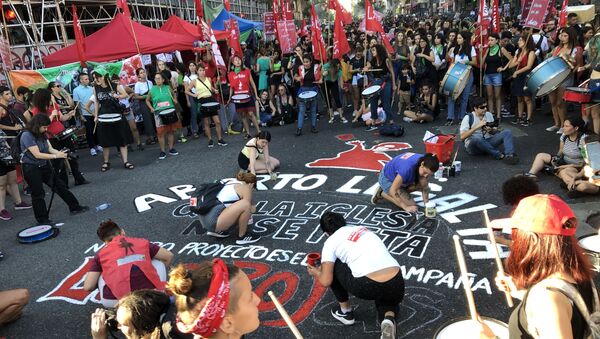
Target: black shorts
(243,161)
(4,170)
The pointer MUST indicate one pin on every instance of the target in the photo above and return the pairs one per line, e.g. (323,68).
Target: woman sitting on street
(255,157)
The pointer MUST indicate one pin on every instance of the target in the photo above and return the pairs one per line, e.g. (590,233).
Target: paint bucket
(430,211)
(314,259)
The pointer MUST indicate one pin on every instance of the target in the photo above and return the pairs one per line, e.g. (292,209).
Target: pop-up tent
(177,25)
(116,41)
(245,25)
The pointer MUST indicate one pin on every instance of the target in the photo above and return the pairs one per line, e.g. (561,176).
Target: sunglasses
(57,86)
(483,107)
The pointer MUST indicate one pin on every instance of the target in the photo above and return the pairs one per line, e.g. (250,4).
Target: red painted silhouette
(359,158)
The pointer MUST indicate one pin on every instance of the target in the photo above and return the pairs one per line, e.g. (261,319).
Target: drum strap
(203,84)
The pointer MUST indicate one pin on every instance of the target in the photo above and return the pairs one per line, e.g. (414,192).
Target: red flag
(79,37)
(386,43)
(340,42)
(199,18)
(287,10)
(303,29)
(232,27)
(122,4)
(537,13)
(371,23)
(495,17)
(562,20)
(345,16)
(319,51)
(216,52)
(227,5)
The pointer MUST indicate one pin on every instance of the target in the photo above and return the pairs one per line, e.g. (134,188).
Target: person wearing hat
(545,261)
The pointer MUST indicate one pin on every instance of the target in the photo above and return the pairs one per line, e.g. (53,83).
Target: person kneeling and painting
(355,260)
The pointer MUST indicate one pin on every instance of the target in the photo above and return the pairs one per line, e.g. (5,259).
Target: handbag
(5,154)
(117,105)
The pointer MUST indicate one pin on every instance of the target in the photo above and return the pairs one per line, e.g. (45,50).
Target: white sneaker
(344,120)
(93,152)
(407,119)
(560,131)
(388,329)
(331,120)
(552,128)
(99,149)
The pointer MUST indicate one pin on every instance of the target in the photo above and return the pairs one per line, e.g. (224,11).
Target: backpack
(538,46)
(391,130)
(15,148)
(593,320)
(205,197)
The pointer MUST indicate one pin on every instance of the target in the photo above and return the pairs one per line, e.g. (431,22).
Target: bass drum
(455,80)
(547,76)
(466,328)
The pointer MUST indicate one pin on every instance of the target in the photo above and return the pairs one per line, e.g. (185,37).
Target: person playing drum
(161,98)
(383,75)
(204,92)
(543,262)
(110,134)
(240,81)
(309,75)
(464,53)
(567,49)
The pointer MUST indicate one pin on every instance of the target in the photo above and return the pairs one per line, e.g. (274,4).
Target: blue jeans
(386,97)
(480,145)
(302,108)
(194,107)
(463,99)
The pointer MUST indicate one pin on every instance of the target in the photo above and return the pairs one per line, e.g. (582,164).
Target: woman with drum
(111,125)
(492,78)
(523,63)
(37,150)
(161,102)
(382,72)
(63,100)
(332,72)
(255,157)
(546,269)
(207,105)
(125,93)
(310,77)
(357,65)
(462,53)
(41,103)
(241,85)
(567,49)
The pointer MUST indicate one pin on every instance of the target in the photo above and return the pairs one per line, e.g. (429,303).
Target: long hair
(381,53)
(38,121)
(529,44)
(572,33)
(41,99)
(534,257)
(465,48)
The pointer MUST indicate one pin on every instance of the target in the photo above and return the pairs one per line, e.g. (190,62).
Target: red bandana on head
(210,317)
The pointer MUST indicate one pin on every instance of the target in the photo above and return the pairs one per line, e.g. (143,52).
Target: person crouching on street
(355,260)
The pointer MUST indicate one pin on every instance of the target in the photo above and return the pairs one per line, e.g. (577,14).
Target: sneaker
(221,142)
(344,120)
(1,255)
(448,123)
(525,122)
(221,234)
(99,149)
(232,132)
(27,190)
(248,238)
(552,128)
(511,159)
(5,215)
(314,130)
(182,140)
(331,120)
(517,121)
(530,175)
(559,131)
(388,328)
(22,206)
(407,119)
(196,136)
(173,151)
(211,143)
(140,147)
(371,128)
(150,141)
(298,132)
(344,318)
(377,195)
(93,152)
(162,155)
(80,209)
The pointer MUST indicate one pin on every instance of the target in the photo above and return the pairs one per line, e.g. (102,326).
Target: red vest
(316,72)
(117,259)
(240,83)
(56,126)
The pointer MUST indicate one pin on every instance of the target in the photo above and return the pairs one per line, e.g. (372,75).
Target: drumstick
(486,218)
(455,155)
(95,125)
(285,316)
(465,278)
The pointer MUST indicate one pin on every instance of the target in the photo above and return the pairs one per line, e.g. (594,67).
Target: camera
(111,320)
(492,124)
(70,154)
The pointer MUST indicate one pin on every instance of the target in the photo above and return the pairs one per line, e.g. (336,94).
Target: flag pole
(329,112)
(481,61)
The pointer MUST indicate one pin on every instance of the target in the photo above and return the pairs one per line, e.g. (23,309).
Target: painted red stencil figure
(361,158)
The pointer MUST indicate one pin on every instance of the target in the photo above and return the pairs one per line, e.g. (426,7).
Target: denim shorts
(493,79)
(209,220)
(384,182)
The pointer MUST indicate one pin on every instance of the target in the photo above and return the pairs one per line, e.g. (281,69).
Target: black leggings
(387,295)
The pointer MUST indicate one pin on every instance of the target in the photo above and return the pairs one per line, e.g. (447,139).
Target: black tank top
(517,325)
(382,66)
(493,62)
(104,98)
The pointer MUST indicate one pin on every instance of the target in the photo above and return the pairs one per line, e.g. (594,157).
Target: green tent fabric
(211,13)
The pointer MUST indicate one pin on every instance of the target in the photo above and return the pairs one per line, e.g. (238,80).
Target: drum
(35,234)
(594,87)
(462,327)
(371,91)
(211,106)
(110,118)
(591,247)
(240,98)
(578,95)
(66,134)
(307,96)
(168,116)
(547,76)
(455,80)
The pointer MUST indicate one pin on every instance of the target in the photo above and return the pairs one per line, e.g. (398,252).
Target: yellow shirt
(203,88)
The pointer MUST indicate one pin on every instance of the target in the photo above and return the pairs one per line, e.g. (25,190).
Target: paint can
(430,211)
(314,259)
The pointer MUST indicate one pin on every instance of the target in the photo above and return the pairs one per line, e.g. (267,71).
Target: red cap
(540,213)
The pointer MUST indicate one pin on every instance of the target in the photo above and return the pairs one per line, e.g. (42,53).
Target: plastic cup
(457,166)
(314,259)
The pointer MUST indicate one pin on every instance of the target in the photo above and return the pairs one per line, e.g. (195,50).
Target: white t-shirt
(188,79)
(360,249)
(463,57)
(464,125)
(142,88)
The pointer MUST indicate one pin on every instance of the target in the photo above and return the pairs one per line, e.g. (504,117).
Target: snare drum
(547,76)
(35,234)
(66,134)
(307,96)
(466,328)
(594,87)
(168,116)
(455,80)
(578,95)
(110,118)
(240,98)
(371,91)
(591,247)
(210,106)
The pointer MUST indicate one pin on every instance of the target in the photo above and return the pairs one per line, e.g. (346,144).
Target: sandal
(128,165)
(105,167)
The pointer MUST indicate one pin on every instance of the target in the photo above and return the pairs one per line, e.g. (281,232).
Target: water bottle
(103,206)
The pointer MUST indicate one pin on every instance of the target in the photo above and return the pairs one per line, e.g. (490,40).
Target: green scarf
(237,70)
(494,50)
